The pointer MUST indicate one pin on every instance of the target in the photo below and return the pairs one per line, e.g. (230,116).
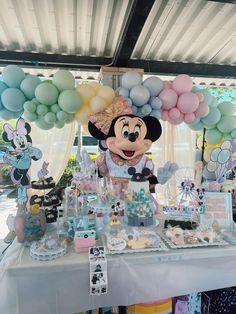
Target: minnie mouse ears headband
(103,120)
(22,128)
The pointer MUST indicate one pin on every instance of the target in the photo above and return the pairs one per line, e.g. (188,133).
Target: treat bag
(29,227)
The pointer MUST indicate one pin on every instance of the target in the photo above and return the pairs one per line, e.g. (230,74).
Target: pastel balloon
(227,136)
(189,117)
(134,109)
(223,156)
(154,84)
(225,145)
(168,98)
(13,99)
(227,124)
(69,101)
(55,108)
(215,153)
(62,116)
(63,80)
(30,116)
(124,92)
(97,104)
(207,153)
(50,117)
(46,93)
(214,102)
(8,115)
(12,75)
(177,121)
(156,114)
(211,166)
(233,133)
(202,110)
(29,84)
(83,115)
(200,96)
(86,92)
(207,96)
(174,113)
(41,110)
(146,109)
(167,85)
(213,116)
(213,136)
(95,85)
(196,126)
(227,108)
(139,95)
(36,101)
(42,124)
(30,106)
(1,105)
(129,101)
(182,84)
(139,113)
(107,93)
(156,103)
(196,121)
(208,127)
(59,124)
(208,175)
(188,102)
(131,79)
(70,118)
(3,86)
(165,115)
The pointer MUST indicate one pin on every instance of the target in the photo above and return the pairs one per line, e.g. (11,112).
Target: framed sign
(218,209)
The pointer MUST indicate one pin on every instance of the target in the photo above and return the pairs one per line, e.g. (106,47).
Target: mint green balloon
(30,106)
(13,75)
(213,116)
(63,80)
(213,136)
(50,117)
(55,108)
(224,156)
(226,124)
(41,110)
(227,136)
(29,84)
(59,124)
(215,153)
(69,101)
(227,108)
(46,94)
(36,101)
(70,118)
(233,133)
(42,124)
(62,116)
(30,116)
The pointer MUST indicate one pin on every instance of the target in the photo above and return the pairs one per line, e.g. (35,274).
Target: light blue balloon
(131,79)
(13,99)
(214,102)
(208,175)
(3,86)
(215,153)
(8,115)
(196,127)
(12,75)
(139,113)
(208,127)
(28,86)
(146,109)
(154,84)
(207,96)
(139,95)
(1,105)
(42,124)
(156,114)
(129,101)
(224,156)
(124,92)
(195,89)
(59,124)
(156,103)
(213,116)
(213,136)
(134,109)
(50,117)
(46,93)
(69,101)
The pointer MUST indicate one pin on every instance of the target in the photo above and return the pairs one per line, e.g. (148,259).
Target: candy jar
(30,225)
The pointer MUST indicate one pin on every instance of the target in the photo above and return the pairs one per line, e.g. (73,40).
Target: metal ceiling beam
(224,1)
(52,60)
(136,20)
(192,69)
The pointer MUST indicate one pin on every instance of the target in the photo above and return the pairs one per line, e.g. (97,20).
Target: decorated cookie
(140,243)
(116,244)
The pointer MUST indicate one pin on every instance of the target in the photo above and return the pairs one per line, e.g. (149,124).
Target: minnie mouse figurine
(22,144)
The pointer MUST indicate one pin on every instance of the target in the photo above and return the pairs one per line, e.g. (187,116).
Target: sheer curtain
(56,148)
(176,144)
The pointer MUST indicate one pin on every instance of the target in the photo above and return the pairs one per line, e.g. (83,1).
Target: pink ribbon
(20,129)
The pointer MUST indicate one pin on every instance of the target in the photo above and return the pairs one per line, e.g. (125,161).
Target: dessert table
(61,286)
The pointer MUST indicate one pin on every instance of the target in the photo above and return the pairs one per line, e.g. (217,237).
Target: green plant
(68,172)
(6,170)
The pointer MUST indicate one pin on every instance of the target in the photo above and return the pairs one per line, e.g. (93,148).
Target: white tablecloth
(62,286)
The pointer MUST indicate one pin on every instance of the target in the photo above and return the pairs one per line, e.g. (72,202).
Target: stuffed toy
(127,138)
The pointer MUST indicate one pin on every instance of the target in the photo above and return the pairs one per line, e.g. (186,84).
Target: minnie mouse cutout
(127,138)
(21,161)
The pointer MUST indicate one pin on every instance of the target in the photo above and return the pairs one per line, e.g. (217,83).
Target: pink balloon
(182,84)
(168,98)
(202,110)
(177,121)
(174,113)
(200,96)
(189,117)
(188,103)
(165,115)
(167,84)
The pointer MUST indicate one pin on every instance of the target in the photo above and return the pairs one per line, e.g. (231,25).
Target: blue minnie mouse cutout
(21,161)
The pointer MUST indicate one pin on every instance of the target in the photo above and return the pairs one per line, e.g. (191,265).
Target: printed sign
(218,209)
